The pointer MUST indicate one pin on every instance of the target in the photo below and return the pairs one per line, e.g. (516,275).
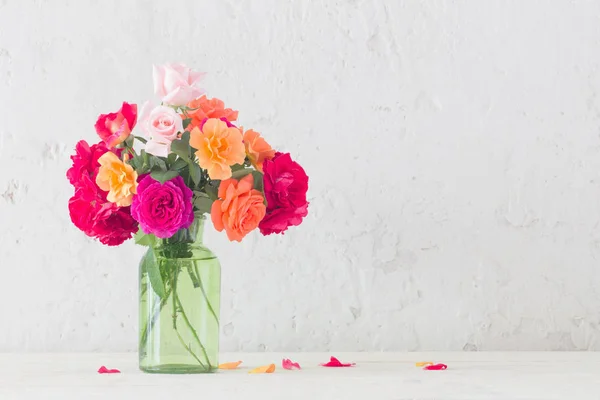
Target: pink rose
(161,124)
(163,209)
(286,185)
(115,127)
(176,84)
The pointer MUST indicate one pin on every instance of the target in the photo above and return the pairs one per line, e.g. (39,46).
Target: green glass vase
(180,293)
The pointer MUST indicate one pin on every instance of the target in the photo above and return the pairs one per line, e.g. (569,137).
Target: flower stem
(210,308)
(189,349)
(187,322)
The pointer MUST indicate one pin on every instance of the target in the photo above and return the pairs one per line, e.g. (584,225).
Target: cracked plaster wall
(453,149)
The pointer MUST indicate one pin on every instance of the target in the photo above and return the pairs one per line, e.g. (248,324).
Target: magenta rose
(286,185)
(163,209)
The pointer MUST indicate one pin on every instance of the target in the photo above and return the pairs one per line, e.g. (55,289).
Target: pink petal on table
(334,362)
(104,370)
(436,367)
(286,363)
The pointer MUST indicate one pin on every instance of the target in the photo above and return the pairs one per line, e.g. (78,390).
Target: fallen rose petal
(267,369)
(286,363)
(334,362)
(104,370)
(436,367)
(230,365)
(423,363)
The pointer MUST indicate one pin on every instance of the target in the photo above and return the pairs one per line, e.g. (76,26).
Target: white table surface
(539,375)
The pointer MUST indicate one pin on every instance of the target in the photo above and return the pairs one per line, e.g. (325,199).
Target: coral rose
(218,147)
(286,185)
(163,209)
(203,108)
(114,128)
(239,209)
(117,178)
(257,149)
(176,84)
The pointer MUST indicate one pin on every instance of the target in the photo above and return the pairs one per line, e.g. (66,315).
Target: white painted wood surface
(376,376)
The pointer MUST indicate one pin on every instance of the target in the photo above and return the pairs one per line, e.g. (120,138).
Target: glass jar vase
(180,292)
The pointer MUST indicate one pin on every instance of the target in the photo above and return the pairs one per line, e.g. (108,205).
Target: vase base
(177,369)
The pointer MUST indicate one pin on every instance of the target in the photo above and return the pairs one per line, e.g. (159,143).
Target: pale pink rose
(161,125)
(176,84)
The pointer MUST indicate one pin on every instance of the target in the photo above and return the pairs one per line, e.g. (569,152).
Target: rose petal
(286,363)
(436,367)
(423,363)
(157,149)
(230,365)
(104,370)
(266,369)
(334,362)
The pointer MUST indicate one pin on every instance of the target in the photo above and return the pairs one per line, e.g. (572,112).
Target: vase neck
(194,234)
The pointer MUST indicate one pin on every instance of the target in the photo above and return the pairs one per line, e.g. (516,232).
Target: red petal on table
(104,370)
(436,367)
(334,362)
(286,363)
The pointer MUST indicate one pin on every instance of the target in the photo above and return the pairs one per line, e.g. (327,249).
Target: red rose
(115,127)
(88,208)
(286,185)
(98,218)
(85,162)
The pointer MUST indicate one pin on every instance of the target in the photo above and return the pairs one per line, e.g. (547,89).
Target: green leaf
(240,173)
(212,189)
(157,164)
(150,265)
(129,141)
(145,158)
(236,167)
(171,158)
(258,181)
(203,203)
(163,176)
(178,165)
(141,139)
(186,122)
(195,172)
(182,147)
(144,239)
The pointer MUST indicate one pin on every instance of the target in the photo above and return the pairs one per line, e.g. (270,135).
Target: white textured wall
(453,149)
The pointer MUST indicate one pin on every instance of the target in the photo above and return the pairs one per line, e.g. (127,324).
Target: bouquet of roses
(194,161)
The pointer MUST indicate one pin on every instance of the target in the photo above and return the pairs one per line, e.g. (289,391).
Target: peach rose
(239,209)
(257,148)
(219,147)
(117,178)
(203,108)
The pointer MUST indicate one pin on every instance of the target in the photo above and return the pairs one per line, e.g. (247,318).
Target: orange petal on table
(230,365)
(423,363)
(266,369)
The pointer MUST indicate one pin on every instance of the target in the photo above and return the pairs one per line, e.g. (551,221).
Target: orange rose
(117,178)
(203,108)
(240,208)
(257,148)
(219,147)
